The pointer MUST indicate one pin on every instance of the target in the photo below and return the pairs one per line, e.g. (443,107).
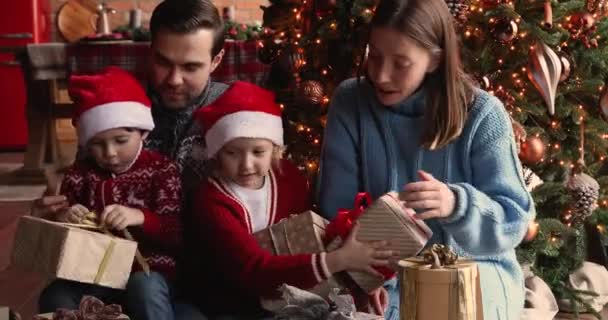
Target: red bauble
(532,231)
(532,150)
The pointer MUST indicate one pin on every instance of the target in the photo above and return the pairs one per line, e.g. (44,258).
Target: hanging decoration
(505,29)
(310,92)
(544,71)
(599,7)
(532,150)
(604,105)
(458,9)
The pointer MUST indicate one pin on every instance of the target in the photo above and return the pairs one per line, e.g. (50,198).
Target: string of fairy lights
(299,39)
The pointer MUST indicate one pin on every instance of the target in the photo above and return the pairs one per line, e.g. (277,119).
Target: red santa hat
(110,99)
(244,110)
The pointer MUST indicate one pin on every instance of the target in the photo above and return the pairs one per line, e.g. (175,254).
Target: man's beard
(185,100)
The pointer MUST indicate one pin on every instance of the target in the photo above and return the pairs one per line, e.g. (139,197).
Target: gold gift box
(57,250)
(451,292)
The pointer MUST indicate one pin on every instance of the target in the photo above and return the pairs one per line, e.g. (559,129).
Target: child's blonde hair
(213,164)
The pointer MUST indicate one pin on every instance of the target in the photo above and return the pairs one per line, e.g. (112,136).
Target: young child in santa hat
(127,186)
(250,189)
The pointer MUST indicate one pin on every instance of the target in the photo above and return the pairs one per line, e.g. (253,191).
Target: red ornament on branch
(532,150)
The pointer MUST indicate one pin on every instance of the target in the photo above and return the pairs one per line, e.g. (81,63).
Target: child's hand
(119,217)
(359,256)
(431,195)
(73,214)
(379,301)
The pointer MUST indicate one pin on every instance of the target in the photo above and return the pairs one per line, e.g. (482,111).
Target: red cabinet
(21,22)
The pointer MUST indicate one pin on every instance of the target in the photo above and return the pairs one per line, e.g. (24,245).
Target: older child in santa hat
(250,189)
(127,186)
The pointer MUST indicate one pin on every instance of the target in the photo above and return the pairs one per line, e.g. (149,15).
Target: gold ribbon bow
(439,256)
(91,221)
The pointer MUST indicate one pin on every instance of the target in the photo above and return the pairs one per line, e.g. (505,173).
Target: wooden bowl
(75,21)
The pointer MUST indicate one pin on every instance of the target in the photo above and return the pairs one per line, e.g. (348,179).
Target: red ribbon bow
(343,224)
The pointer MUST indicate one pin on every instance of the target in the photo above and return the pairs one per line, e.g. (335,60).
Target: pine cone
(585,190)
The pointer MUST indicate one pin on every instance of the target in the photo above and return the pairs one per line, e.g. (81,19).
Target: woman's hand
(430,195)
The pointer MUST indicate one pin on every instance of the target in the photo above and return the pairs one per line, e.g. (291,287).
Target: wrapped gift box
(299,234)
(71,253)
(451,292)
(387,219)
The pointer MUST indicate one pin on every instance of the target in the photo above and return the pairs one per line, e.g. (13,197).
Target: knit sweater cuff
(460,204)
(324,267)
(151,222)
(319,267)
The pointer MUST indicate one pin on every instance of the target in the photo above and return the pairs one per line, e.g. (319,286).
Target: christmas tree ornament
(459,10)
(604,105)
(532,150)
(505,29)
(566,67)
(599,7)
(548,18)
(310,92)
(485,82)
(532,231)
(593,43)
(585,191)
(544,71)
(582,20)
(531,179)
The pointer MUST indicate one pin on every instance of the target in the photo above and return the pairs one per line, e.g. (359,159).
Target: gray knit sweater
(179,137)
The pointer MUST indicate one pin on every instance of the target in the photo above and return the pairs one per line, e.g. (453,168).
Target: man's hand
(49,206)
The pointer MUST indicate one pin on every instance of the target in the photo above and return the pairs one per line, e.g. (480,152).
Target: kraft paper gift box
(299,234)
(57,250)
(385,219)
(451,292)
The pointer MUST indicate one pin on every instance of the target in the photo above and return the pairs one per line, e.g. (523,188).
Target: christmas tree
(547,61)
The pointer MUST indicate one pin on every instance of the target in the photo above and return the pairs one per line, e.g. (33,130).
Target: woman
(415,123)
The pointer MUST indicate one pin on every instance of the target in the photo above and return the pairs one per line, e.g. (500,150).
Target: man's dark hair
(186,16)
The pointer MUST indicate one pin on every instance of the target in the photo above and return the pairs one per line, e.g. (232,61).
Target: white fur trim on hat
(127,114)
(243,124)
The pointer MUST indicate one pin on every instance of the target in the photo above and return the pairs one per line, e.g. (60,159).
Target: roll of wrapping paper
(91,221)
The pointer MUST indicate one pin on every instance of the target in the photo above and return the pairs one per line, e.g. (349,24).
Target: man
(186,47)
